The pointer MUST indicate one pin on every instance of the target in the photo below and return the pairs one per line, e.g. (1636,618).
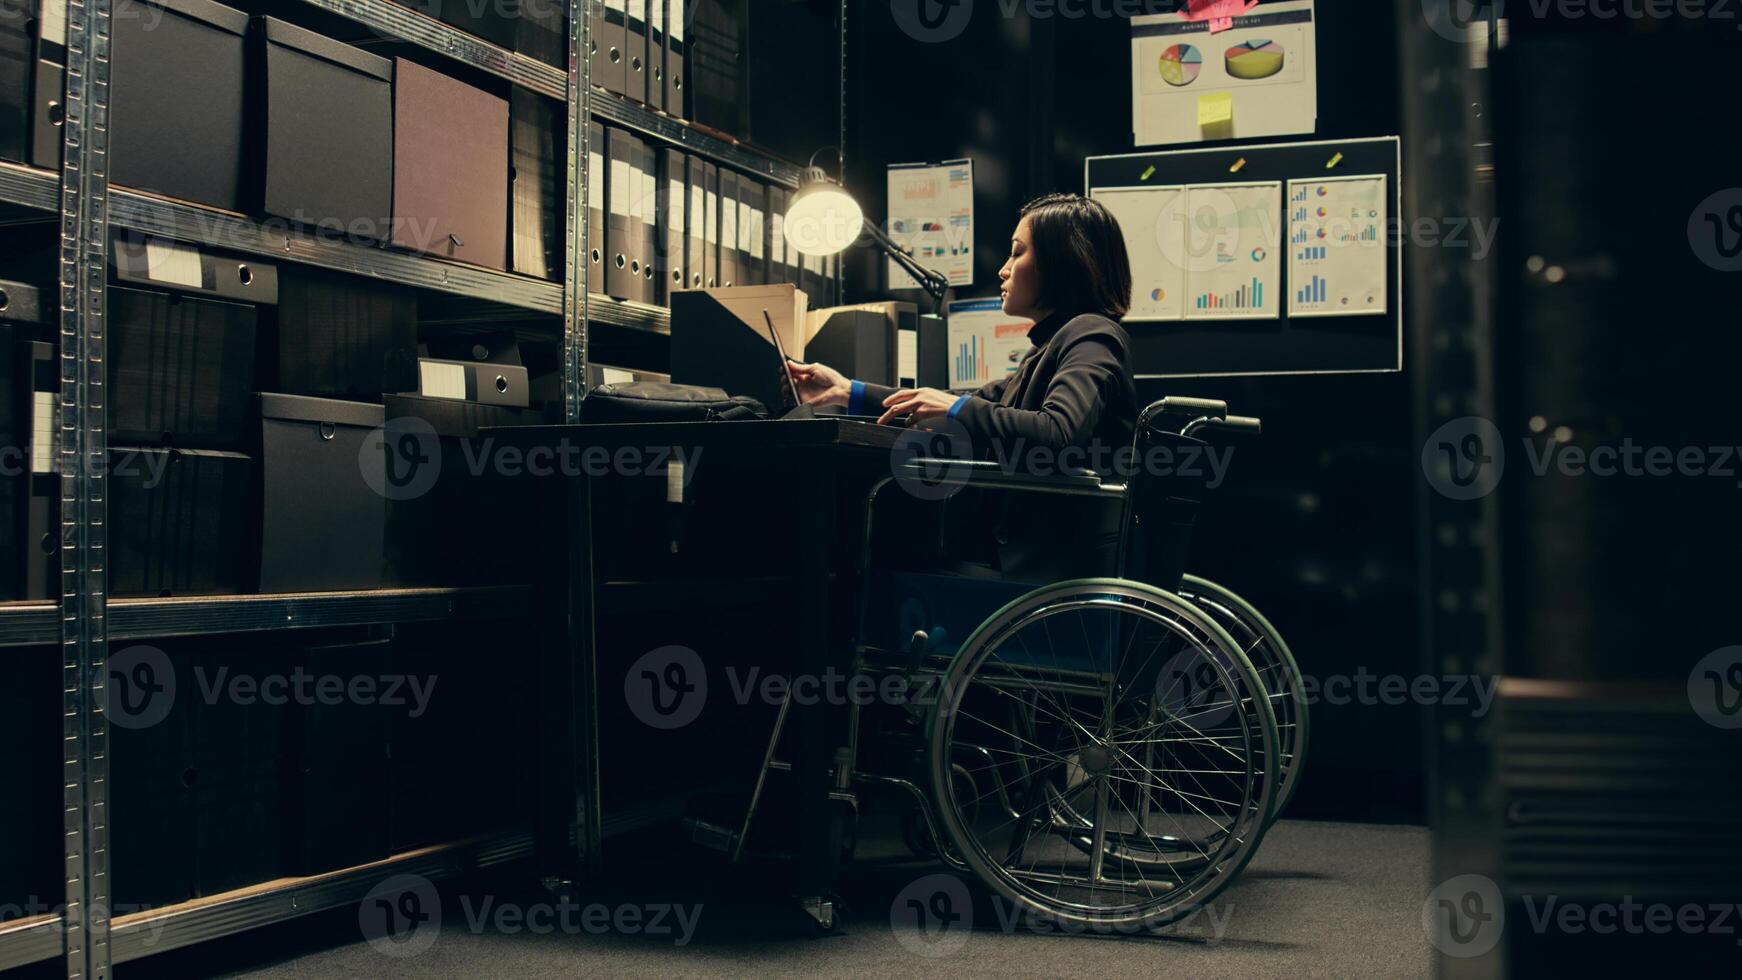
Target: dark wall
(1316,522)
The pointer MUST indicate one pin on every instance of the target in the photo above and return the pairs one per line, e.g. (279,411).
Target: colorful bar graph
(1311,253)
(1250,297)
(1312,292)
(968,360)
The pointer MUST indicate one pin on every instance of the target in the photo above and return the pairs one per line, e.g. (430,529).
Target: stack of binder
(639,51)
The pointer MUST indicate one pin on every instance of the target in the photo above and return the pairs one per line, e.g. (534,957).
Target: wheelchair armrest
(985,473)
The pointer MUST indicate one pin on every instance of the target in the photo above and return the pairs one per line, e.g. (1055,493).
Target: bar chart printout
(985,342)
(1233,251)
(1337,246)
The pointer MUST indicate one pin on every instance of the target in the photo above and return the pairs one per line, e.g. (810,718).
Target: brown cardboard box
(450,167)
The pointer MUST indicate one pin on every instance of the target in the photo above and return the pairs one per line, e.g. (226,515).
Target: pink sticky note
(1219,13)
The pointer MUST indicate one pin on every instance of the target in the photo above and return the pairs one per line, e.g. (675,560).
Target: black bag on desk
(658,401)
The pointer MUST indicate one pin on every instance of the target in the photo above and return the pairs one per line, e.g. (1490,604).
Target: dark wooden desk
(838,461)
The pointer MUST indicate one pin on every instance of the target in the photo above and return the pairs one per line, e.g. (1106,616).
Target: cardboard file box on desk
(450,167)
(337,335)
(176,112)
(322,520)
(720,340)
(29,488)
(321,149)
(341,797)
(474,523)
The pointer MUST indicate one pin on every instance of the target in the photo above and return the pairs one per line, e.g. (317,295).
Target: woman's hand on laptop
(920,405)
(819,385)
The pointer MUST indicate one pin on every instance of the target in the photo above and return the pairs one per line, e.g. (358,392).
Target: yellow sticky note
(1215,109)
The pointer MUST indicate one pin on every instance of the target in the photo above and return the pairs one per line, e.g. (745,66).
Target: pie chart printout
(1180,65)
(1255,59)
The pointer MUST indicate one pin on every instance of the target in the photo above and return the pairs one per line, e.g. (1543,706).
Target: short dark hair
(1081,254)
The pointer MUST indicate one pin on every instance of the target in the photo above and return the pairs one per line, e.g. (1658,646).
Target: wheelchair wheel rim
(1128,807)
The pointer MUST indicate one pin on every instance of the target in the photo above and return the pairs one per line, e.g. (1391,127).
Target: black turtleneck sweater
(1073,390)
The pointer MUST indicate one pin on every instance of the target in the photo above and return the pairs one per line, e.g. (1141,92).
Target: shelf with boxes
(426,171)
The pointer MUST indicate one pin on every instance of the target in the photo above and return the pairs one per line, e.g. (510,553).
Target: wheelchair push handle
(1195,407)
(1241,425)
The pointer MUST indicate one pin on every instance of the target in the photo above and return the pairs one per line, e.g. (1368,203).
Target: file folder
(619,196)
(597,179)
(533,134)
(711,220)
(635,238)
(649,291)
(729,254)
(635,79)
(656,54)
(673,235)
(676,56)
(697,187)
(48,92)
(777,235)
(757,205)
(608,44)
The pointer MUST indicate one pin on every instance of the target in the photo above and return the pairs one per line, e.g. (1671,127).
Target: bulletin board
(1275,259)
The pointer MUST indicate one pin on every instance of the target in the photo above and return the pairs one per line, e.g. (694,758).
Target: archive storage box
(322,515)
(241,759)
(176,102)
(179,521)
(30,806)
(152,696)
(181,369)
(450,167)
(17,36)
(339,336)
(322,125)
(473,525)
(341,796)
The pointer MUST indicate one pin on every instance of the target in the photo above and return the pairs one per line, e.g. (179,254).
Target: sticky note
(1215,108)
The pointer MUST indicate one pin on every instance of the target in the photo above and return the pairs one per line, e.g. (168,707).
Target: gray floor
(1320,900)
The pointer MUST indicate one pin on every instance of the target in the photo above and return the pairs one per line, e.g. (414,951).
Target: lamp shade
(823,219)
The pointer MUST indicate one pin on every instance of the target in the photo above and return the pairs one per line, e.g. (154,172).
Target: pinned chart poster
(1197,80)
(1153,222)
(1232,251)
(931,213)
(1337,246)
(985,342)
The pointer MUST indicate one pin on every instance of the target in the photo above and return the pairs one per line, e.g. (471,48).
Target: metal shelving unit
(84,621)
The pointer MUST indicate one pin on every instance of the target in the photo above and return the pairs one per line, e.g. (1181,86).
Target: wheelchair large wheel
(1276,667)
(1123,704)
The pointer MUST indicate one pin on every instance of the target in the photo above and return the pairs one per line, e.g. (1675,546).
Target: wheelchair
(1106,753)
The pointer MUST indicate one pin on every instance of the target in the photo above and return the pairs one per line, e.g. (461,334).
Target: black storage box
(323,512)
(858,343)
(29,486)
(460,765)
(152,818)
(30,771)
(339,336)
(467,528)
(322,124)
(175,83)
(242,761)
(342,794)
(178,521)
(181,370)
(17,28)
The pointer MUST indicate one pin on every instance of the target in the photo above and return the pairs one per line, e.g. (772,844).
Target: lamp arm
(933,282)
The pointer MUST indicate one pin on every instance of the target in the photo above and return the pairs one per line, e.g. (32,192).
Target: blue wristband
(958,405)
(854,399)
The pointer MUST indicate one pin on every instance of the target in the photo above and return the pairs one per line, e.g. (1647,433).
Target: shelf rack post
(80,454)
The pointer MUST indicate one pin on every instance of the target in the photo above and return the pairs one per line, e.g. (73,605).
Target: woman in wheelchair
(1099,751)
(1071,398)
